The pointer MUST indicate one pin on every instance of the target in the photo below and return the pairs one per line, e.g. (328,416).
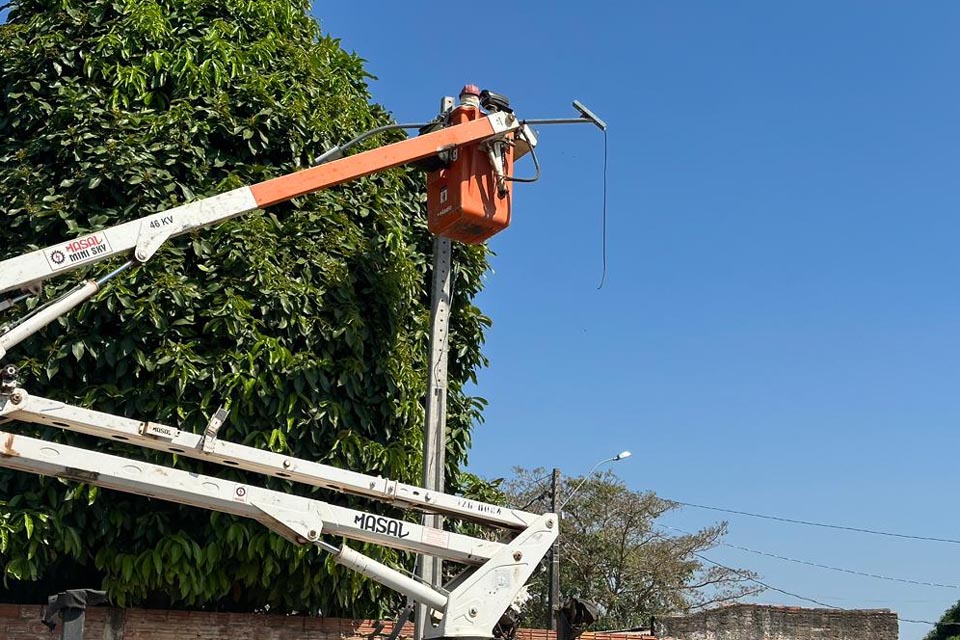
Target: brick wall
(22,622)
(770,622)
(734,622)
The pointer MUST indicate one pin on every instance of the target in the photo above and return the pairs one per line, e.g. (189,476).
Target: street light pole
(553,597)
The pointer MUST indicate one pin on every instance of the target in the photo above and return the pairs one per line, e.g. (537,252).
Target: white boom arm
(145,235)
(470,610)
(278,511)
(27,408)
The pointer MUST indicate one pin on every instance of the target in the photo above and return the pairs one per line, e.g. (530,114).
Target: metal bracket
(299,527)
(150,239)
(495,153)
(589,115)
(8,380)
(208,442)
(524,142)
(478,602)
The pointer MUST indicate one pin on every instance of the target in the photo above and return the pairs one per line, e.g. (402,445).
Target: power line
(795,595)
(764,584)
(841,569)
(817,524)
(755,580)
(825,566)
(541,495)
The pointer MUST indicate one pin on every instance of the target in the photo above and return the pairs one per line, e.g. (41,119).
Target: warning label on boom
(77,251)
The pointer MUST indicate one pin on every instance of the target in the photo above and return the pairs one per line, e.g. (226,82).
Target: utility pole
(430,569)
(553,598)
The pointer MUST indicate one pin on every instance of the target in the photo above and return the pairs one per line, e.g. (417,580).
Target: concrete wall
(22,622)
(770,622)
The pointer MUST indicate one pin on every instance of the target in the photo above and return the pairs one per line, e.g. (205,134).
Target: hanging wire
(751,578)
(603,218)
(864,574)
(824,525)
(533,154)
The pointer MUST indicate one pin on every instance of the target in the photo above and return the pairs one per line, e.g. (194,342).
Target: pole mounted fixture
(620,456)
(589,115)
(586,117)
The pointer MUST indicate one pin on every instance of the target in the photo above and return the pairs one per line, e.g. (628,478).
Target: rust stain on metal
(80,475)
(8,450)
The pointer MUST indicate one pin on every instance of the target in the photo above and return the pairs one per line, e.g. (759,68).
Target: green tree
(948,626)
(613,553)
(310,320)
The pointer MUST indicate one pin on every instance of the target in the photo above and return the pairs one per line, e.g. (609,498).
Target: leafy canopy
(310,320)
(613,552)
(948,626)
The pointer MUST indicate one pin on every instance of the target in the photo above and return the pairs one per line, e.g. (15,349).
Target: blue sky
(778,331)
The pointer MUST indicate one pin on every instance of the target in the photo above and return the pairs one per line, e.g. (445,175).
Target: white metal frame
(22,406)
(470,610)
(289,515)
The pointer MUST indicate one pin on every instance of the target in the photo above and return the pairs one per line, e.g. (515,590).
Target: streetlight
(554,594)
(620,456)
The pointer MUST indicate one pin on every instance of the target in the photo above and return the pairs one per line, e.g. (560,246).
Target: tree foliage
(310,320)
(948,626)
(614,554)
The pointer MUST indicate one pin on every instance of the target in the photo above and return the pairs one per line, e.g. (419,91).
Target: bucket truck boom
(469,151)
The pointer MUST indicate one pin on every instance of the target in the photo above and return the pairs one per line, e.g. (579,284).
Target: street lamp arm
(616,458)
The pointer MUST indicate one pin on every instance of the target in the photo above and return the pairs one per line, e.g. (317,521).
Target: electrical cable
(387,127)
(817,524)
(784,591)
(542,478)
(841,569)
(764,584)
(536,161)
(603,217)
(823,566)
(797,596)
(542,496)
(603,212)
(336,152)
